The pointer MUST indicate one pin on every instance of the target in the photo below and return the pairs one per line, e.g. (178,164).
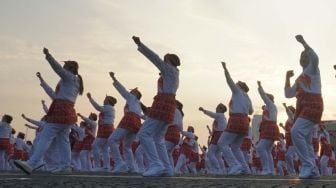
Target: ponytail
(81,85)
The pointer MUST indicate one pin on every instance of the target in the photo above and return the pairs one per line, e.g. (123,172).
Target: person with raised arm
(240,107)
(161,113)
(5,134)
(172,137)
(218,126)
(127,128)
(60,117)
(290,149)
(269,132)
(105,128)
(309,107)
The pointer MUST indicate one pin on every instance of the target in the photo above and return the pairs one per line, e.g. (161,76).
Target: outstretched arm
(31,127)
(64,74)
(94,103)
(207,112)
(35,122)
(290,91)
(313,58)
(44,106)
(229,80)
(50,92)
(119,87)
(149,54)
(263,95)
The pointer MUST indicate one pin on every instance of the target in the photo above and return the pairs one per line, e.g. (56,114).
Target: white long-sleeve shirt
(219,123)
(51,93)
(132,102)
(169,73)
(107,111)
(310,78)
(5,130)
(92,124)
(69,83)
(240,102)
(270,106)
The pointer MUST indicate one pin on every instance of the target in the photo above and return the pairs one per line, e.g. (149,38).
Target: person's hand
(299,38)
(290,73)
(26,125)
(23,116)
(201,109)
(136,40)
(45,51)
(223,65)
(78,114)
(335,67)
(88,95)
(38,74)
(112,75)
(259,83)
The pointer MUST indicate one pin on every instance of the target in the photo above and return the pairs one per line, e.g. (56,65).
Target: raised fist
(136,40)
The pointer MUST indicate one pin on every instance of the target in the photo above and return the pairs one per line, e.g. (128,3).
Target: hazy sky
(255,38)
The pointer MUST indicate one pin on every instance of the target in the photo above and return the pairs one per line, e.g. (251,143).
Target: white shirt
(5,130)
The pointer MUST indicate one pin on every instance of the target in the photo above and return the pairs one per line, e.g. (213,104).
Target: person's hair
(222,107)
(137,93)
(111,100)
(191,128)
(270,96)
(94,116)
(75,72)
(7,118)
(21,135)
(243,86)
(13,131)
(174,59)
(81,84)
(179,106)
(143,108)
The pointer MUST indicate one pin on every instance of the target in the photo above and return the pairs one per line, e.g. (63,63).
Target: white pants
(152,139)
(181,162)
(230,144)
(86,164)
(3,156)
(280,166)
(289,159)
(302,133)
(60,133)
(52,156)
(264,149)
(100,148)
(170,148)
(75,161)
(324,165)
(214,153)
(139,159)
(114,141)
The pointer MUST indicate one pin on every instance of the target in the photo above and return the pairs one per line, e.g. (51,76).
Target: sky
(255,38)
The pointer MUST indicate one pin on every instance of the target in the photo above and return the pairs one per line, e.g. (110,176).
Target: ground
(85,180)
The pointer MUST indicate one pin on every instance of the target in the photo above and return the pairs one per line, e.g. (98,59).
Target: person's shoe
(315,174)
(306,172)
(120,167)
(154,172)
(168,173)
(235,170)
(24,166)
(246,171)
(62,171)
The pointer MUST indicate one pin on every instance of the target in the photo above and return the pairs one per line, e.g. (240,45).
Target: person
(238,125)
(172,137)
(5,134)
(280,155)
(127,128)
(290,150)
(105,129)
(161,113)
(218,126)
(60,117)
(325,152)
(309,107)
(269,132)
